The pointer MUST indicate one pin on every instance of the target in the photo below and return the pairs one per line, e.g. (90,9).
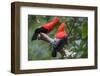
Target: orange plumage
(49,26)
(61,33)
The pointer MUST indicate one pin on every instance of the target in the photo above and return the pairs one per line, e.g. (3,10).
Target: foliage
(77,46)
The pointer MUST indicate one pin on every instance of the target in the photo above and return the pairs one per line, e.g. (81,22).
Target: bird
(46,28)
(60,41)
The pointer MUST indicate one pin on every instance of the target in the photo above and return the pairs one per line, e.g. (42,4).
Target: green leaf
(84,30)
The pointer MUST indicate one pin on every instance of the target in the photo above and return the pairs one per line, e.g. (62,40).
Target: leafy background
(77,46)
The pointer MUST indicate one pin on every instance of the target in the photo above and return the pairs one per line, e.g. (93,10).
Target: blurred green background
(77,28)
